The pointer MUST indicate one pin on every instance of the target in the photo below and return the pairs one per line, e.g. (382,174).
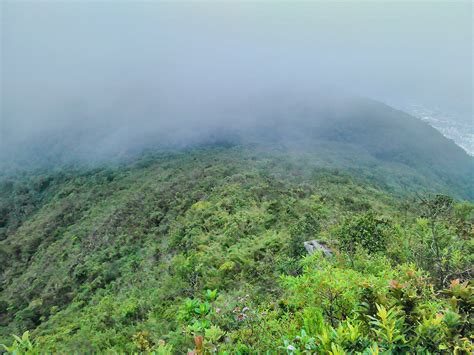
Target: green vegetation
(203,250)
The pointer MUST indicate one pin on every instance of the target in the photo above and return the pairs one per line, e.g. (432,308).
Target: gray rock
(313,246)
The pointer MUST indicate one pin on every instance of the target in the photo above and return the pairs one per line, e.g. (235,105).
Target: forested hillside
(236,177)
(203,250)
(394,150)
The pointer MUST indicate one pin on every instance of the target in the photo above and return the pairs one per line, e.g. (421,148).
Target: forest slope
(124,257)
(358,134)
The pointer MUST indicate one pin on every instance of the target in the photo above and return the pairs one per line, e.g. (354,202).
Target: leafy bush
(365,231)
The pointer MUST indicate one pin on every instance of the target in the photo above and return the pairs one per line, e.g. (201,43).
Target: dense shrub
(365,231)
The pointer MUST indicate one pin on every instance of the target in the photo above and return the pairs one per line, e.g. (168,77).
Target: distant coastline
(462,133)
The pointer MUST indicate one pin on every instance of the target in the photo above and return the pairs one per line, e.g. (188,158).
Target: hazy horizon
(80,68)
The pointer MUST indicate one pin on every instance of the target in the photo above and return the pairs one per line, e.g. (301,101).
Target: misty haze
(236,177)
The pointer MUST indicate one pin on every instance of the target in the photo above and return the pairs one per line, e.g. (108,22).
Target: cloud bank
(110,75)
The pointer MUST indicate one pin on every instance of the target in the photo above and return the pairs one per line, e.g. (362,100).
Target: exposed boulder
(313,246)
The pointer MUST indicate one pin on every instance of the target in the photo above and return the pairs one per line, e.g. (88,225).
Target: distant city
(462,133)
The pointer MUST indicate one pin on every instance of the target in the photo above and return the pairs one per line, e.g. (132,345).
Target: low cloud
(104,77)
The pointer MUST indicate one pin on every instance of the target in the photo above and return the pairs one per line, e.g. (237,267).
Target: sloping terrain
(124,257)
(357,134)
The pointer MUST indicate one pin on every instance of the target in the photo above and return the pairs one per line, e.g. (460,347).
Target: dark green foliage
(364,231)
(306,228)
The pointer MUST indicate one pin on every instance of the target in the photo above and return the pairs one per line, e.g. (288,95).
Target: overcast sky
(85,64)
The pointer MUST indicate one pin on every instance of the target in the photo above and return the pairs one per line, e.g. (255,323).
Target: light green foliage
(351,311)
(441,241)
(21,345)
(388,327)
(203,251)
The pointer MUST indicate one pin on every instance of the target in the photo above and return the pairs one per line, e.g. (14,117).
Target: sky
(129,66)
